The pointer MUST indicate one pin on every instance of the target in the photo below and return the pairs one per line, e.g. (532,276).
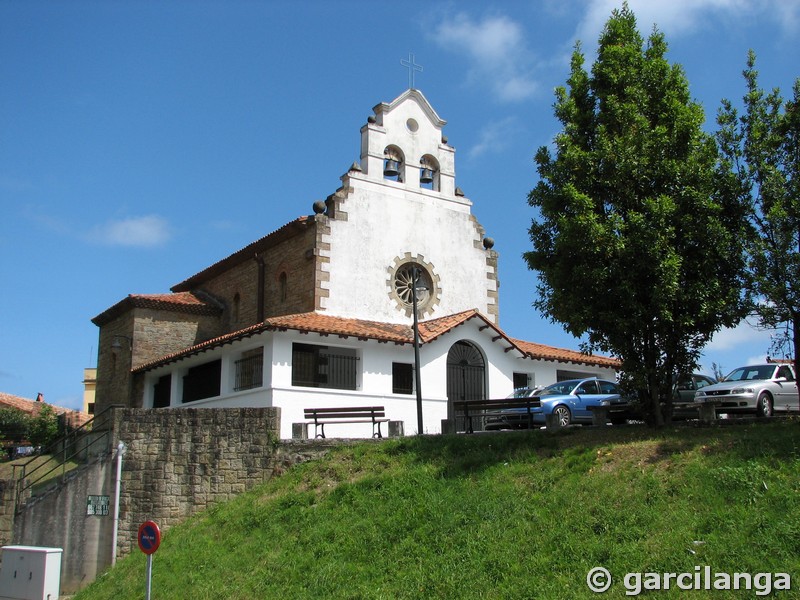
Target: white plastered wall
(375,377)
(388,222)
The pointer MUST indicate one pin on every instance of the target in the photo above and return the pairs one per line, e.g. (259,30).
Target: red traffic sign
(149,537)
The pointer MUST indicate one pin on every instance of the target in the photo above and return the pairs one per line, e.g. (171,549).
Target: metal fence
(78,445)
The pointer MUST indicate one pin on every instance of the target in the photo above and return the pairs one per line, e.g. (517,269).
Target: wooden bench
(474,408)
(348,414)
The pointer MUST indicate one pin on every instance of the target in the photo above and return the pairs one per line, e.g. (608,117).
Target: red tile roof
(551,353)
(321,323)
(430,330)
(325,324)
(195,303)
(32,407)
(23,404)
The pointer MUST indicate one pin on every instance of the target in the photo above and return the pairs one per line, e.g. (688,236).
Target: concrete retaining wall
(59,519)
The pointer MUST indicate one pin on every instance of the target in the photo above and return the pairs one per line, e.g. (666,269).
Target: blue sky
(140,142)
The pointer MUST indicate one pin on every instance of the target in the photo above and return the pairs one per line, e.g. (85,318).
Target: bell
(391,168)
(426,175)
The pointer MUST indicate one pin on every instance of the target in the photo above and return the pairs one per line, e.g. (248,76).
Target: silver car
(761,389)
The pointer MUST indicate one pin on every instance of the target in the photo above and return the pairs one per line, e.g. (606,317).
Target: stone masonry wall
(155,333)
(180,462)
(176,463)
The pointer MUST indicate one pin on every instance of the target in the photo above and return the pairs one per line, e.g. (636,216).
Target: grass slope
(45,469)
(509,515)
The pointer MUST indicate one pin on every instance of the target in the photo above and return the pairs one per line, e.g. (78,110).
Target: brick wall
(155,333)
(297,258)
(294,256)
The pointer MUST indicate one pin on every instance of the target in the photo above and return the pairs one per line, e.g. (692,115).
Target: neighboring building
(89,388)
(71,418)
(319,312)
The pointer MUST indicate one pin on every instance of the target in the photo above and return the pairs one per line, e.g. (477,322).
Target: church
(319,313)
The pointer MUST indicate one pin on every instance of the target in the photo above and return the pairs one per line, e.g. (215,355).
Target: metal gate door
(466,379)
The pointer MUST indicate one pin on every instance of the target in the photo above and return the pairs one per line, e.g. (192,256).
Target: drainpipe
(121,448)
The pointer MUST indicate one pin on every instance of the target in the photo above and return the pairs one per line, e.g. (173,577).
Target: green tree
(43,428)
(638,241)
(13,425)
(762,148)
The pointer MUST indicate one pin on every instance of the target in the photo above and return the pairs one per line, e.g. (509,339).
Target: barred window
(324,367)
(249,370)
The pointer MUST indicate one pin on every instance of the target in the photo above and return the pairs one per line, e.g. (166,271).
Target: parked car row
(571,401)
(684,392)
(761,389)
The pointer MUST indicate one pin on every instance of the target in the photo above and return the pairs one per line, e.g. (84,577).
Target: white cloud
(736,346)
(493,137)
(787,14)
(683,17)
(743,335)
(497,51)
(147,231)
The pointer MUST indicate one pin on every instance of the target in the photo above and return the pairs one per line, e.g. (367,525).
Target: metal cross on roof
(411,65)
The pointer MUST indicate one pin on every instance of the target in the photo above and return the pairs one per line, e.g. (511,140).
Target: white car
(762,389)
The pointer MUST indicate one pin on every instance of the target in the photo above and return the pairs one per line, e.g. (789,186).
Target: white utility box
(30,573)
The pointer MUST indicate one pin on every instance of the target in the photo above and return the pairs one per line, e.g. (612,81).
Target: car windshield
(523,393)
(750,373)
(560,388)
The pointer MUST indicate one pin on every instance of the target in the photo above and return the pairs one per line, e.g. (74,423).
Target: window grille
(319,366)
(249,372)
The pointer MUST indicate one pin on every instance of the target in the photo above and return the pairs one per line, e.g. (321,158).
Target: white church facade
(319,312)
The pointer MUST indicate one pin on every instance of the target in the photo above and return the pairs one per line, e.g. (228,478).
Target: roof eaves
(299,322)
(553,354)
(200,304)
(464,317)
(228,338)
(285,232)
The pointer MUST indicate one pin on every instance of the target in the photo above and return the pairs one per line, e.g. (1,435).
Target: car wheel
(764,405)
(563,414)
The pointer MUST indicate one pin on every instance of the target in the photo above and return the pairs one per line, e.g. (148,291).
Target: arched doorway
(466,377)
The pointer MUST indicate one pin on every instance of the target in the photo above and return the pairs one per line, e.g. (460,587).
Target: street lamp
(116,345)
(415,288)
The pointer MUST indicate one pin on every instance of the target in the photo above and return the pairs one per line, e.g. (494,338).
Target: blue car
(570,400)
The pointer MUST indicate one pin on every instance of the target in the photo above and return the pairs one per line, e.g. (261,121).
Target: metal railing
(91,439)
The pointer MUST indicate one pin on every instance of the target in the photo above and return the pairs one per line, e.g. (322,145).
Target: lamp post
(116,345)
(416,287)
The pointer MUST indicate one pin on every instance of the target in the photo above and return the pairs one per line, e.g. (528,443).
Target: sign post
(149,539)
